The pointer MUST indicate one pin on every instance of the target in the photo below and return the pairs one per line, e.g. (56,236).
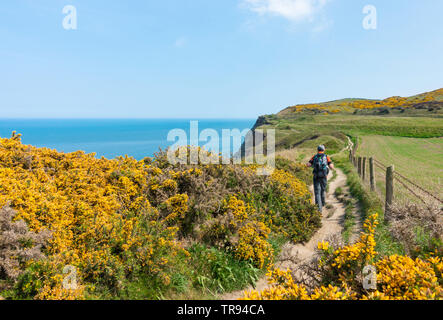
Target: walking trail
(294,255)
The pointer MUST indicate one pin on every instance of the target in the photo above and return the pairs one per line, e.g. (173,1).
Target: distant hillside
(330,123)
(425,103)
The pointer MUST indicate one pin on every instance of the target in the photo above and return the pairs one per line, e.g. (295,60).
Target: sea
(110,138)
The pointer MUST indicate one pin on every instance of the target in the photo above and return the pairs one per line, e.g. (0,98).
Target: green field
(412,144)
(420,160)
(306,131)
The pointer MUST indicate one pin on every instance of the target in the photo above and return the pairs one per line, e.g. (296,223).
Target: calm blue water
(110,138)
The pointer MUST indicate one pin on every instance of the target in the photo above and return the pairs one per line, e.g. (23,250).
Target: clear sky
(211,58)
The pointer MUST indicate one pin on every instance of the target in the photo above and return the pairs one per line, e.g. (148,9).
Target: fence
(368,170)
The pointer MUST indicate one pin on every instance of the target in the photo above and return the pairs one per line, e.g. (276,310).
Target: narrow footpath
(294,255)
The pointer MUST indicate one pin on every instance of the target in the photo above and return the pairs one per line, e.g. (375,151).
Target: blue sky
(211,58)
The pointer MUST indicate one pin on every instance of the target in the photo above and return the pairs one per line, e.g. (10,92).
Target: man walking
(321,163)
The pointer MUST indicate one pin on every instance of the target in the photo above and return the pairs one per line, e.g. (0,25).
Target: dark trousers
(320,191)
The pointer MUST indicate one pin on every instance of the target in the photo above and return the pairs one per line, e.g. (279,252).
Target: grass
(210,273)
(334,176)
(374,106)
(369,203)
(417,159)
(305,132)
(296,155)
(412,144)
(332,179)
(349,217)
(349,222)
(338,192)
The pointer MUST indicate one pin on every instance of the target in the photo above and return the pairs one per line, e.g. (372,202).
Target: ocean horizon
(110,138)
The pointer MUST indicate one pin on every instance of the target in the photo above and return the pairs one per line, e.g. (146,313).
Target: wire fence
(389,184)
(380,180)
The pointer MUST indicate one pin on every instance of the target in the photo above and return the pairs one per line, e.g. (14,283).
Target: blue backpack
(320,165)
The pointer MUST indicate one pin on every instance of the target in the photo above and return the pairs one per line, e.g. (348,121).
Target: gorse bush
(418,227)
(340,275)
(18,245)
(391,102)
(123,221)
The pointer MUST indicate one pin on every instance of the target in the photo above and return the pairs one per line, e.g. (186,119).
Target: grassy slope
(297,137)
(384,136)
(370,203)
(348,105)
(417,159)
(292,131)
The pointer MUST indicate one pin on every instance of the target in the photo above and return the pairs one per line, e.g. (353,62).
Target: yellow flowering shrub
(398,277)
(177,207)
(239,209)
(288,192)
(93,207)
(289,184)
(391,102)
(359,254)
(237,229)
(53,289)
(252,244)
(283,287)
(114,220)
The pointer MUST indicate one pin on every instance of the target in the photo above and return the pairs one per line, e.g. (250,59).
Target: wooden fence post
(389,189)
(371,173)
(363,169)
(359,166)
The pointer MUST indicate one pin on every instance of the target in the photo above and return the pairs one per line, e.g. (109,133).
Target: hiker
(321,164)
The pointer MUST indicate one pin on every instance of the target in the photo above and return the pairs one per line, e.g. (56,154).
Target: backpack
(320,165)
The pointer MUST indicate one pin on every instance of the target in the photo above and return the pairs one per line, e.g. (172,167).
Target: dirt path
(293,255)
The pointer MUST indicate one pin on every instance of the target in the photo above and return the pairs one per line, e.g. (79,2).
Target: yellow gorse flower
(399,277)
